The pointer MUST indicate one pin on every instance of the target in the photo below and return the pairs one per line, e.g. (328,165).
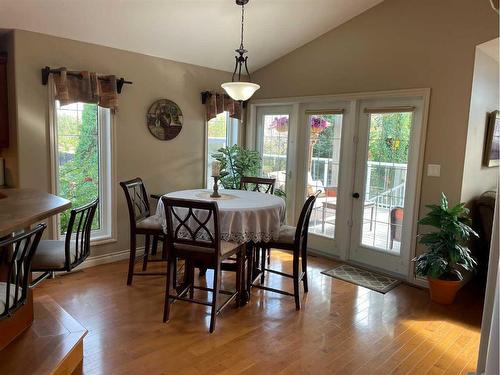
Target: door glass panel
(385,182)
(275,148)
(323,162)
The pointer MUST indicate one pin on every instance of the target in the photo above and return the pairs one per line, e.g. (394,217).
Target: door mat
(361,277)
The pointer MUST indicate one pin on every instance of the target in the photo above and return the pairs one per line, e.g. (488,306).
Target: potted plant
(447,253)
(236,162)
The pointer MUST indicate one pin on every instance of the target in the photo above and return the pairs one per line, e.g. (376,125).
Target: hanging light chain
(242,24)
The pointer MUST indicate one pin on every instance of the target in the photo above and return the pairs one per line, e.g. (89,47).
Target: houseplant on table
(447,252)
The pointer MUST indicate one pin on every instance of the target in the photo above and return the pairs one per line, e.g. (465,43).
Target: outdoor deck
(376,232)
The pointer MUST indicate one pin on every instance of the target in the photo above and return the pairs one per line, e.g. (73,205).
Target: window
(222,131)
(82,135)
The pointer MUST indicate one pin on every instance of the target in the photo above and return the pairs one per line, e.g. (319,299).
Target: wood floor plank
(341,329)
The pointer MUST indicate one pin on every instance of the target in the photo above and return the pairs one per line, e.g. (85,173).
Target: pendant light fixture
(240,90)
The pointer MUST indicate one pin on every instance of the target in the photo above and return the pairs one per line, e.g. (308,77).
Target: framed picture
(491,156)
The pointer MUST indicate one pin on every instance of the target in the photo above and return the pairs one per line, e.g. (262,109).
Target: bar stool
(15,286)
(141,223)
(53,256)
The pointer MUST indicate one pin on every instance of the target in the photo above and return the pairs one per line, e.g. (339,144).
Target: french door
(363,156)
(385,181)
(275,135)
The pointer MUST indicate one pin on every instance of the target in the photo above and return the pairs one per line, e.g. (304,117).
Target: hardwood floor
(341,329)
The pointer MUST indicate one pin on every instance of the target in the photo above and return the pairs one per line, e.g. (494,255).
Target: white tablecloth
(243,215)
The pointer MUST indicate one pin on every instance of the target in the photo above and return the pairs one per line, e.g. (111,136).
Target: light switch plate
(434,170)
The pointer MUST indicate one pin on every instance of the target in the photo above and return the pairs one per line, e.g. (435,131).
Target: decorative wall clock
(164,119)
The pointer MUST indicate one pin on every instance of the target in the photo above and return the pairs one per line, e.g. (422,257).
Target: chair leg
(249,250)
(239,271)
(146,252)
(296,290)
(263,251)
(213,315)
(154,247)
(164,249)
(131,261)
(268,256)
(304,269)
(203,271)
(190,273)
(170,273)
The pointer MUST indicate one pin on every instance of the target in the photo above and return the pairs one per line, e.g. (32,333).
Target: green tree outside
(79,176)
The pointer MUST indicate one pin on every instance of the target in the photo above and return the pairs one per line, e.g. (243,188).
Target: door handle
(355,195)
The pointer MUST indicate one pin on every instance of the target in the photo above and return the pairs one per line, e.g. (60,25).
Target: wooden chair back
(79,229)
(194,223)
(260,184)
(137,200)
(302,228)
(19,250)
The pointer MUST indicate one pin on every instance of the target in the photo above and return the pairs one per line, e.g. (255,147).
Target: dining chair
(193,234)
(141,223)
(396,225)
(14,287)
(260,184)
(292,239)
(64,255)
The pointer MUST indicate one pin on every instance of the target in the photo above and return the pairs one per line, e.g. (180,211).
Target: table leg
(247,273)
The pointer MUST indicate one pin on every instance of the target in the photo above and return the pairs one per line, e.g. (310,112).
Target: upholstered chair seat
(3,295)
(150,223)
(287,234)
(226,248)
(51,254)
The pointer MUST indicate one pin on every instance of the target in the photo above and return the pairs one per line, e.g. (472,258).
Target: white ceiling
(201,32)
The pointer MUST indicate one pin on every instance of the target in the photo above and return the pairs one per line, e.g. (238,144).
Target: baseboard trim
(116,256)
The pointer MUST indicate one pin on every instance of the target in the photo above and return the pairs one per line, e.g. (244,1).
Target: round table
(243,215)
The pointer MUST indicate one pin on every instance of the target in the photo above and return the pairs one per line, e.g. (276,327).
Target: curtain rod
(47,71)
(206,94)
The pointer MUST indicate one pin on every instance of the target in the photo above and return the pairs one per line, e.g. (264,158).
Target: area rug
(361,277)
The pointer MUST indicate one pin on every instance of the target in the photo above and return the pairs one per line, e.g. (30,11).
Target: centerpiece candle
(215,168)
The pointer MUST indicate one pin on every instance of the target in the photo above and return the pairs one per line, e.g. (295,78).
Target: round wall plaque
(164,119)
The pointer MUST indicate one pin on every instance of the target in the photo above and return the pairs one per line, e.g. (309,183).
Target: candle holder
(215,194)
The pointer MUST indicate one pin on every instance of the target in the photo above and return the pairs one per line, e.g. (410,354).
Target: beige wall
(484,98)
(164,166)
(399,44)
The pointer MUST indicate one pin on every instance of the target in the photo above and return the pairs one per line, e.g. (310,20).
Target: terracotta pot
(443,291)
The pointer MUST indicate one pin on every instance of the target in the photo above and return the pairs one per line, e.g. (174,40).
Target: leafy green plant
(235,163)
(447,252)
(280,193)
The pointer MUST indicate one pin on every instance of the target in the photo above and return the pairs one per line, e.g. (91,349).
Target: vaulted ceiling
(201,32)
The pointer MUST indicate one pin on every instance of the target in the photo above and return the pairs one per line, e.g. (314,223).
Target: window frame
(232,138)
(105,118)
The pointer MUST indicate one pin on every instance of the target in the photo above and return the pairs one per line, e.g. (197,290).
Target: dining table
(244,216)
(19,210)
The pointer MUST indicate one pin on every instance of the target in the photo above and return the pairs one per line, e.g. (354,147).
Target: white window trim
(107,192)
(233,136)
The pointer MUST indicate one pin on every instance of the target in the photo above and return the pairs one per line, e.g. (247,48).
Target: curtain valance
(217,103)
(87,87)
